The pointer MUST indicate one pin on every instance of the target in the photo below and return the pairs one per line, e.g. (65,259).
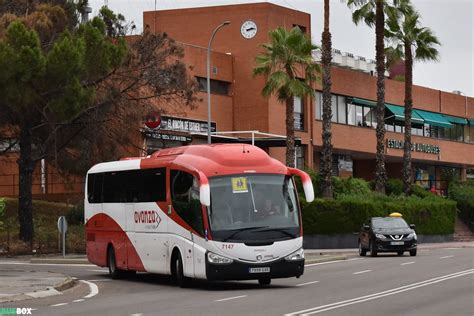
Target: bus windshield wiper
(238,230)
(281,230)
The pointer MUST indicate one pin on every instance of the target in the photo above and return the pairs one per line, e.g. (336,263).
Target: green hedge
(463,194)
(345,215)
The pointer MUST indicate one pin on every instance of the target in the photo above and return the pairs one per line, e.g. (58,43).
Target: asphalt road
(436,282)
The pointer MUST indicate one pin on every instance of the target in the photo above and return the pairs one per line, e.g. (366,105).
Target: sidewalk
(19,284)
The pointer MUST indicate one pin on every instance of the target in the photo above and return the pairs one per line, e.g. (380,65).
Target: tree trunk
(290,133)
(326,159)
(380,173)
(25,168)
(408,113)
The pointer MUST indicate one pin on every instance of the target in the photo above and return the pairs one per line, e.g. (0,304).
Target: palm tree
(326,160)
(373,12)
(410,41)
(288,65)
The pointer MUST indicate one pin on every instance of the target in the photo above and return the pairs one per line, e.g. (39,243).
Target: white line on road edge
(49,264)
(365,298)
(360,272)
(446,257)
(230,298)
(405,263)
(79,300)
(105,270)
(60,304)
(307,283)
(328,262)
(138,314)
(93,287)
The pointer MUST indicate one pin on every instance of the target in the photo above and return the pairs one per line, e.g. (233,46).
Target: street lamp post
(209,80)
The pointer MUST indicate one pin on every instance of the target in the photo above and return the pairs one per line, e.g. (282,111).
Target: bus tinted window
(185,197)
(94,187)
(131,186)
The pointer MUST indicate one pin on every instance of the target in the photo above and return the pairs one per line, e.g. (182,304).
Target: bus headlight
(297,255)
(217,259)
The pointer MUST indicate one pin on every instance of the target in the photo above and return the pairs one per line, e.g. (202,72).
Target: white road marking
(105,270)
(329,262)
(323,308)
(60,304)
(48,264)
(307,283)
(405,263)
(360,272)
(446,257)
(94,290)
(137,314)
(230,298)
(79,300)
(453,248)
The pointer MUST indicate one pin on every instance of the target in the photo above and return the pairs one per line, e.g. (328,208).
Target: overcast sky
(451,21)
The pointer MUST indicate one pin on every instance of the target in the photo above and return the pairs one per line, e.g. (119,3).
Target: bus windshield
(253,207)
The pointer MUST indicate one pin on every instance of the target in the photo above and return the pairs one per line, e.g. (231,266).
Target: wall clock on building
(248,29)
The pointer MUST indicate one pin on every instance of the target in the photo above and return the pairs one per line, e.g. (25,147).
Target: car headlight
(297,255)
(412,236)
(217,259)
(380,236)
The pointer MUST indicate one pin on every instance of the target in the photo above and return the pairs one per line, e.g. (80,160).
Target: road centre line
(444,257)
(329,262)
(78,300)
(307,283)
(405,263)
(60,304)
(230,298)
(360,272)
(94,290)
(365,298)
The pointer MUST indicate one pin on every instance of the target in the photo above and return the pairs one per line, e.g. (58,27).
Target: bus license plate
(396,243)
(259,270)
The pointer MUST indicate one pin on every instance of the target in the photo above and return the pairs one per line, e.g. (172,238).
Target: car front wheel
(413,252)
(373,251)
(362,251)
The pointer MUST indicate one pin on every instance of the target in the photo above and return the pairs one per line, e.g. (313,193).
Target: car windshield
(389,222)
(259,202)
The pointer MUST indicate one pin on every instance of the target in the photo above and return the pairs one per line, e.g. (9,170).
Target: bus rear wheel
(114,272)
(264,281)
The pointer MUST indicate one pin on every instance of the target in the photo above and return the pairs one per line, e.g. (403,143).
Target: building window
(9,145)
(217,86)
(300,156)
(318,105)
(341,110)
(298,105)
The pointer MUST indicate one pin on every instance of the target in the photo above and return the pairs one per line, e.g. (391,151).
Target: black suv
(387,234)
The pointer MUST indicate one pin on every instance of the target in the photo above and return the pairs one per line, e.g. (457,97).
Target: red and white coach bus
(215,212)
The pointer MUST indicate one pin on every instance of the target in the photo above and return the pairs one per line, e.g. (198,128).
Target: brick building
(443,122)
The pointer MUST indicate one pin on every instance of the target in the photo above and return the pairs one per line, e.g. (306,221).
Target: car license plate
(397,243)
(259,270)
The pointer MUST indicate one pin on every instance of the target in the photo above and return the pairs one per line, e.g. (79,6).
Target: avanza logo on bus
(147,217)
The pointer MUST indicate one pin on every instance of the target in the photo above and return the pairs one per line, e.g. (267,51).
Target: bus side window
(185,198)
(94,187)
(113,187)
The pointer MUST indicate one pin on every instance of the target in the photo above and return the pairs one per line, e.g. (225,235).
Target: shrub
(75,216)
(463,194)
(433,215)
(420,192)
(2,212)
(350,186)
(394,187)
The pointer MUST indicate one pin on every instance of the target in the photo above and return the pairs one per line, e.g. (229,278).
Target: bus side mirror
(205,194)
(307,184)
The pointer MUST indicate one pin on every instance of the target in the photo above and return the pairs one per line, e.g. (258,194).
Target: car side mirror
(365,226)
(412,226)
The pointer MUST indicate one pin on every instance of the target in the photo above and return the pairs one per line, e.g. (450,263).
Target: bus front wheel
(178,272)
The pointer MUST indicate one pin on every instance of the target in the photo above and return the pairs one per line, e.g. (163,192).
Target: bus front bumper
(238,270)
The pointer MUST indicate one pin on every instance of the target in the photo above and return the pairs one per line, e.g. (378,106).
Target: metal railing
(47,183)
